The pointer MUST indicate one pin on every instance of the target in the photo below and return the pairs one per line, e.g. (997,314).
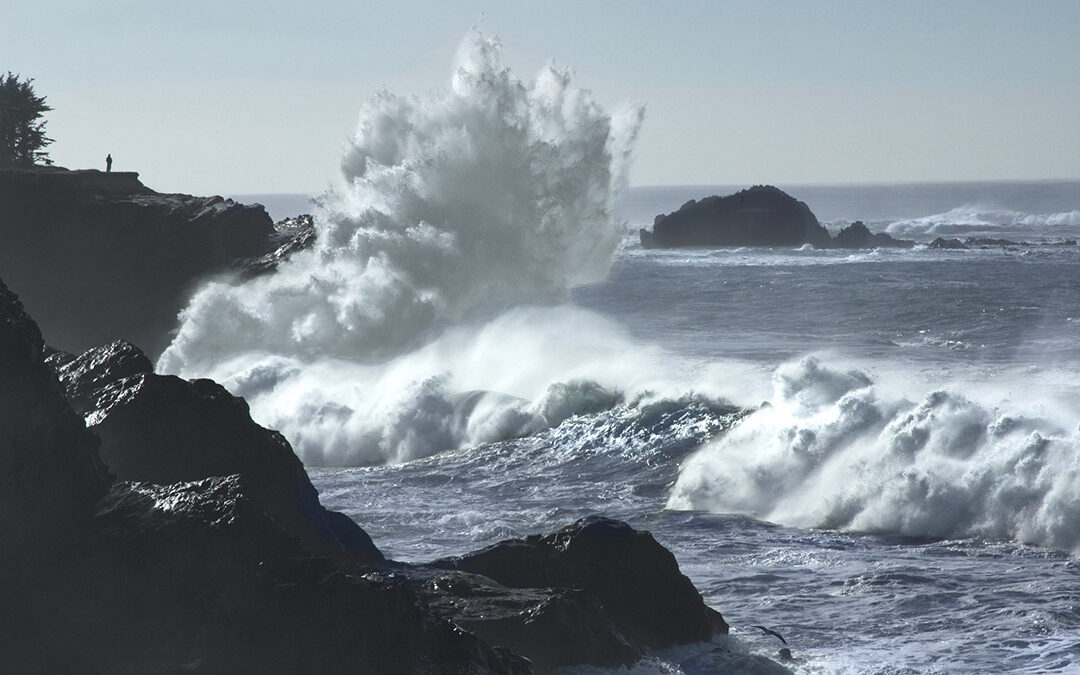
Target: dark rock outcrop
(759,216)
(163,429)
(50,473)
(99,256)
(858,235)
(943,243)
(614,586)
(552,627)
(298,234)
(194,577)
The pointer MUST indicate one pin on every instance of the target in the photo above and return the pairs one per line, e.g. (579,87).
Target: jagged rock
(195,577)
(298,234)
(163,429)
(99,256)
(759,216)
(858,235)
(50,474)
(637,581)
(941,242)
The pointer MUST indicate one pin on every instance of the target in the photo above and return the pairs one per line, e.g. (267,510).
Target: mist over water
(453,209)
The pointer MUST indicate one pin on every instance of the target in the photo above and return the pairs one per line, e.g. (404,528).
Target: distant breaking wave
(832,450)
(455,208)
(973,219)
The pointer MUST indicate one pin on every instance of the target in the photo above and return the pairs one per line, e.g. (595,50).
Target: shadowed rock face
(163,429)
(194,577)
(643,600)
(50,474)
(97,257)
(760,216)
(552,627)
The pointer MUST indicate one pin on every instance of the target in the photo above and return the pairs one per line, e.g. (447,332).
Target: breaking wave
(976,219)
(833,450)
(384,342)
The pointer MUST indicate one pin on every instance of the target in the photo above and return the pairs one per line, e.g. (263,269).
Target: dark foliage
(22,131)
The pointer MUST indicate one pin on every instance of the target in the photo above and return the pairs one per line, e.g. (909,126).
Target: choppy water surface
(994,332)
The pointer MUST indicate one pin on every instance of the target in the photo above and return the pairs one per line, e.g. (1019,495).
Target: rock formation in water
(99,256)
(597,582)
(944,243)
(858,235)
(759,216)
(206,549)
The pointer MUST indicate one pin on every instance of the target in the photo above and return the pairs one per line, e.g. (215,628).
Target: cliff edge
(99,256)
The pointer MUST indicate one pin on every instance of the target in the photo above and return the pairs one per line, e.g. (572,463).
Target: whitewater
(875,453)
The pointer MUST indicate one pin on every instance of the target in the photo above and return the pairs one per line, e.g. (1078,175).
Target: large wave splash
(833,450)
(454,208)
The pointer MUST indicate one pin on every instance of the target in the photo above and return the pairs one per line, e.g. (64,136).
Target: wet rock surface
(296,234)
(163,429)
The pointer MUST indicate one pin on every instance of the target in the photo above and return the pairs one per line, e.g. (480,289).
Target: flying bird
(768,631)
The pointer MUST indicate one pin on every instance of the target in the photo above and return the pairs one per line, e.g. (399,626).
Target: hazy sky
(249,96)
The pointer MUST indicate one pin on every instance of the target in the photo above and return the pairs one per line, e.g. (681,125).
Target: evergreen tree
(22,132)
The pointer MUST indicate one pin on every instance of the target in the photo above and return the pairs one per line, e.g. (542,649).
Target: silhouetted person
(108,163)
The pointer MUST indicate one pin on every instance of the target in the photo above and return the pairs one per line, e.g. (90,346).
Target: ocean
(875,453)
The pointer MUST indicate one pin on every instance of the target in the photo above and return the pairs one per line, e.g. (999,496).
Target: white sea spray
(455,208)
(833,450)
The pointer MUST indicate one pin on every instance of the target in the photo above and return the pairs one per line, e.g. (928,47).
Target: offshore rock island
(149,525)
(762,215)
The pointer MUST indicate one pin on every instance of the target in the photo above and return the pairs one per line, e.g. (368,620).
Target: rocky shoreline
(151,526)
(172,533)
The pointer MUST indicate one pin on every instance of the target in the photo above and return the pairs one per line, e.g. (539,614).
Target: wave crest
(851,457)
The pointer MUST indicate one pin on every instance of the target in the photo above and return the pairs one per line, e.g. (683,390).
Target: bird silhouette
(773,633)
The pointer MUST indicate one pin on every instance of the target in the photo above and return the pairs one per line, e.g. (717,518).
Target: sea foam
(833,450)
(454,208)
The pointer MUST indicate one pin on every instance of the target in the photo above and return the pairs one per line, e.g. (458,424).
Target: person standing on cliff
(108,163)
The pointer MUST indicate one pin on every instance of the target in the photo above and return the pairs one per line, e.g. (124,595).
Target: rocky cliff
(99,256)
